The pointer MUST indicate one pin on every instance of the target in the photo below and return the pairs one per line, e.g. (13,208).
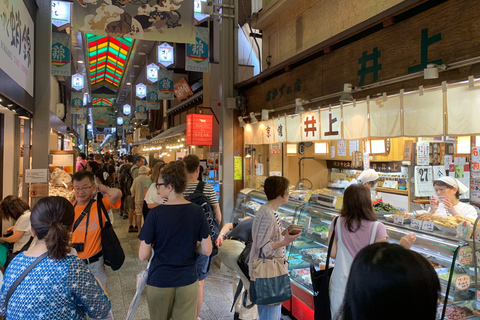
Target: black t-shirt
(174,231)
(242,230)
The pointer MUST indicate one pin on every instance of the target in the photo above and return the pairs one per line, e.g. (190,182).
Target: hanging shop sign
(76,104)
(268,132)
(342,148)
(154,20)
(276,148)
(152,72)
(60,13)
(141,90)
(152,97)
(17,54)
(127,109)
(200,129)
(78,81)
(357,159)
(330,123)
(99,137)
(104,117)
(165,54)
(144,132)
(129,138)
(407,150)
(165,85)
(355,124)
(126,123)
(141,109)
(197,53)
(475,163)
(182,90)
(391,166)
(82,118)
(293,128)
(310,126)
(61,43)
(335,164)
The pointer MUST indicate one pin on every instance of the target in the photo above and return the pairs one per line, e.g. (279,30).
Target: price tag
(462,282)
(310,230)
(465,255)
(398,220)
(416,224)
(477,235)
(428,225)
(308,196)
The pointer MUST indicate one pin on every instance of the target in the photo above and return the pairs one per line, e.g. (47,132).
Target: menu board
(61,166)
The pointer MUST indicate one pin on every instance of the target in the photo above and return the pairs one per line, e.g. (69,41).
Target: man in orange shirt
(86,238)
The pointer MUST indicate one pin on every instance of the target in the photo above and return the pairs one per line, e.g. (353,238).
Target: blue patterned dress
(54,289)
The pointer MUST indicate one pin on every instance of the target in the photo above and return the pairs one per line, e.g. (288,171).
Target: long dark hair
(357,206)
(51,220)
(383,274)
(13,207)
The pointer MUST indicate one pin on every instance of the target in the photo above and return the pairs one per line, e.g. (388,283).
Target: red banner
(200,129)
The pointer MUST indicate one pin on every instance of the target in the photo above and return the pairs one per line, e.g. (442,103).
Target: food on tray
(253,205)
(307,278)
(456,312)
(62,192)
(324,190)
(384,207)
(302,272)
(301,243)
(313,251)
(401,214)
(436,265)
(427,217)
(294,256)
(321,229)
(59,176)
(293,229)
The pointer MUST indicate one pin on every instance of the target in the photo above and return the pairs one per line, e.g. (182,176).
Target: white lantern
(165,54)
(152,72)
(141,90)
(120,121)
(77,81)
(127,109)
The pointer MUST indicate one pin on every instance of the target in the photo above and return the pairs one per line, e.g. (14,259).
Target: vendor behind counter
(448,190)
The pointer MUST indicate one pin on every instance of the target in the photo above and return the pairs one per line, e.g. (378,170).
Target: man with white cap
(138,192)
(446,203)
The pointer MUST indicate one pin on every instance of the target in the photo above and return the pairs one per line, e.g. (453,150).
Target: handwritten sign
(428,225)
(423,151)
(463,282)
(36,175)
(407,150)
(475,163)
(416,224)
(465,255)
(438,172)
(424,181)
(366,161)
(308,195)
(390,184)
(342,148)
(353,146)
(398,220)
(357,159)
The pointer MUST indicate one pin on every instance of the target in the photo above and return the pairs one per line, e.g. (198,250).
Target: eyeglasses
(82,189)
(159,184)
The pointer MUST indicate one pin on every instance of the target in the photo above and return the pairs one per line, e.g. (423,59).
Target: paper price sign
(416,224)
(465,255)
(423,181)
(310,230)
(428,225)
(398,220)
(308,196)
(462,282)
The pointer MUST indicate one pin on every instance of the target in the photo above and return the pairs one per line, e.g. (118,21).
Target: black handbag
(270,282)
(113,254)
(321,283)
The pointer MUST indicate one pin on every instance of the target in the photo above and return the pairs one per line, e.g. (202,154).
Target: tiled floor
(218,293)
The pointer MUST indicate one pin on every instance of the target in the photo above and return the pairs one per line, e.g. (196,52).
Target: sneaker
(125,217)
(135,229)
(131,229)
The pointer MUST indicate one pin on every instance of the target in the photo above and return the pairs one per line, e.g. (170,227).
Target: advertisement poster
(152,20)
(342,148)
(423,151)
(237,168)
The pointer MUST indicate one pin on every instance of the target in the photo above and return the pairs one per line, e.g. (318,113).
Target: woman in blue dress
(60,286)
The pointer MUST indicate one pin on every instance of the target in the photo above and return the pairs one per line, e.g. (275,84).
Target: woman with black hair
(355,228)
(18,210)
(93,166)
(59,286)
(448,190)
(383,274)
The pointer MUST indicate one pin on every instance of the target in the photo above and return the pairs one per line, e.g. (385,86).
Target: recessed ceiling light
(129,84)
(136,66)
(79,61)
(141,53)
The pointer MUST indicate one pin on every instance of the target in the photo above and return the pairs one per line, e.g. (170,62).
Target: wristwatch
(222,235)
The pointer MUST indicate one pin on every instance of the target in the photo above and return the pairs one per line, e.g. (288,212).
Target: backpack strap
(21,277)
(200,187)
(101,208)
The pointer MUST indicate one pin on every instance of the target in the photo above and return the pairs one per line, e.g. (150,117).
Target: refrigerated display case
(452,258)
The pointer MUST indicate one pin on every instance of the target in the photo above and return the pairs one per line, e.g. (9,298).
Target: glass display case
(452,259)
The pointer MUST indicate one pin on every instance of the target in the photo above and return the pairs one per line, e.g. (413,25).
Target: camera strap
(85,212)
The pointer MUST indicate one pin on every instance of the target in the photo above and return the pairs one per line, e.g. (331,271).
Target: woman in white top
(18,210)
(446,203)
(368,178)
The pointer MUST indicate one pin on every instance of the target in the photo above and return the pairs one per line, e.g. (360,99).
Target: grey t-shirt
(22,224)
(242,230)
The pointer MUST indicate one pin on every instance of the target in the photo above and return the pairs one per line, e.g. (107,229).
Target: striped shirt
(279,222)
(207,191)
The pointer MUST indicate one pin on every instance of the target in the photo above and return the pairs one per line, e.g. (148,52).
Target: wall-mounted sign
(141,90)
(200,129)
(100,137)
(237,171)
(127,109)
(182,90)
(165,54)
(152,72)
(77,81)
(60,13)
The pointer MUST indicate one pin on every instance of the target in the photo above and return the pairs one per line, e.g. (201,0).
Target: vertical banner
(165,85)
(61,44)
(141,109)
(475,163)
(294,133)
(82,118)
(147,19)
(330,123)
(310,126)
(152,97)
(126,123)
(104,117)
(197,54)
(268,132)
(237,172)
(76,104)
(280,132)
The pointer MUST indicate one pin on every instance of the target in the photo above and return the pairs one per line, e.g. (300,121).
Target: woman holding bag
(267,235)
(356,228)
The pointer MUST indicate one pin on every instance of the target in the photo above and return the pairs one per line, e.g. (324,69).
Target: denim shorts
(203,265)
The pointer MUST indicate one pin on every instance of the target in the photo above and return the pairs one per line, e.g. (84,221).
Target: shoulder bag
(321,283)
(269,283)
(113,254)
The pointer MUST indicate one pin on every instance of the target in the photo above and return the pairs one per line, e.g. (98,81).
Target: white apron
(343,262)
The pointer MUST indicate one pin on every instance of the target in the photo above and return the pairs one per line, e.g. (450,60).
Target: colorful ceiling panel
(102,102)
(107,59)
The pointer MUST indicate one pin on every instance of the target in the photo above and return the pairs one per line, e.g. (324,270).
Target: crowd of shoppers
(69,281)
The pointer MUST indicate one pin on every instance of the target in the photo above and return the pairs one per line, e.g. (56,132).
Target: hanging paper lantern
(127,109)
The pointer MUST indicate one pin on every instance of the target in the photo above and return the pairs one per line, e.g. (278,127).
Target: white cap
(452,182)
(142,170)
(367,176)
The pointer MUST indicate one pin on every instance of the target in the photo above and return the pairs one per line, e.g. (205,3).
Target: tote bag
(269,283)
(321,283)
